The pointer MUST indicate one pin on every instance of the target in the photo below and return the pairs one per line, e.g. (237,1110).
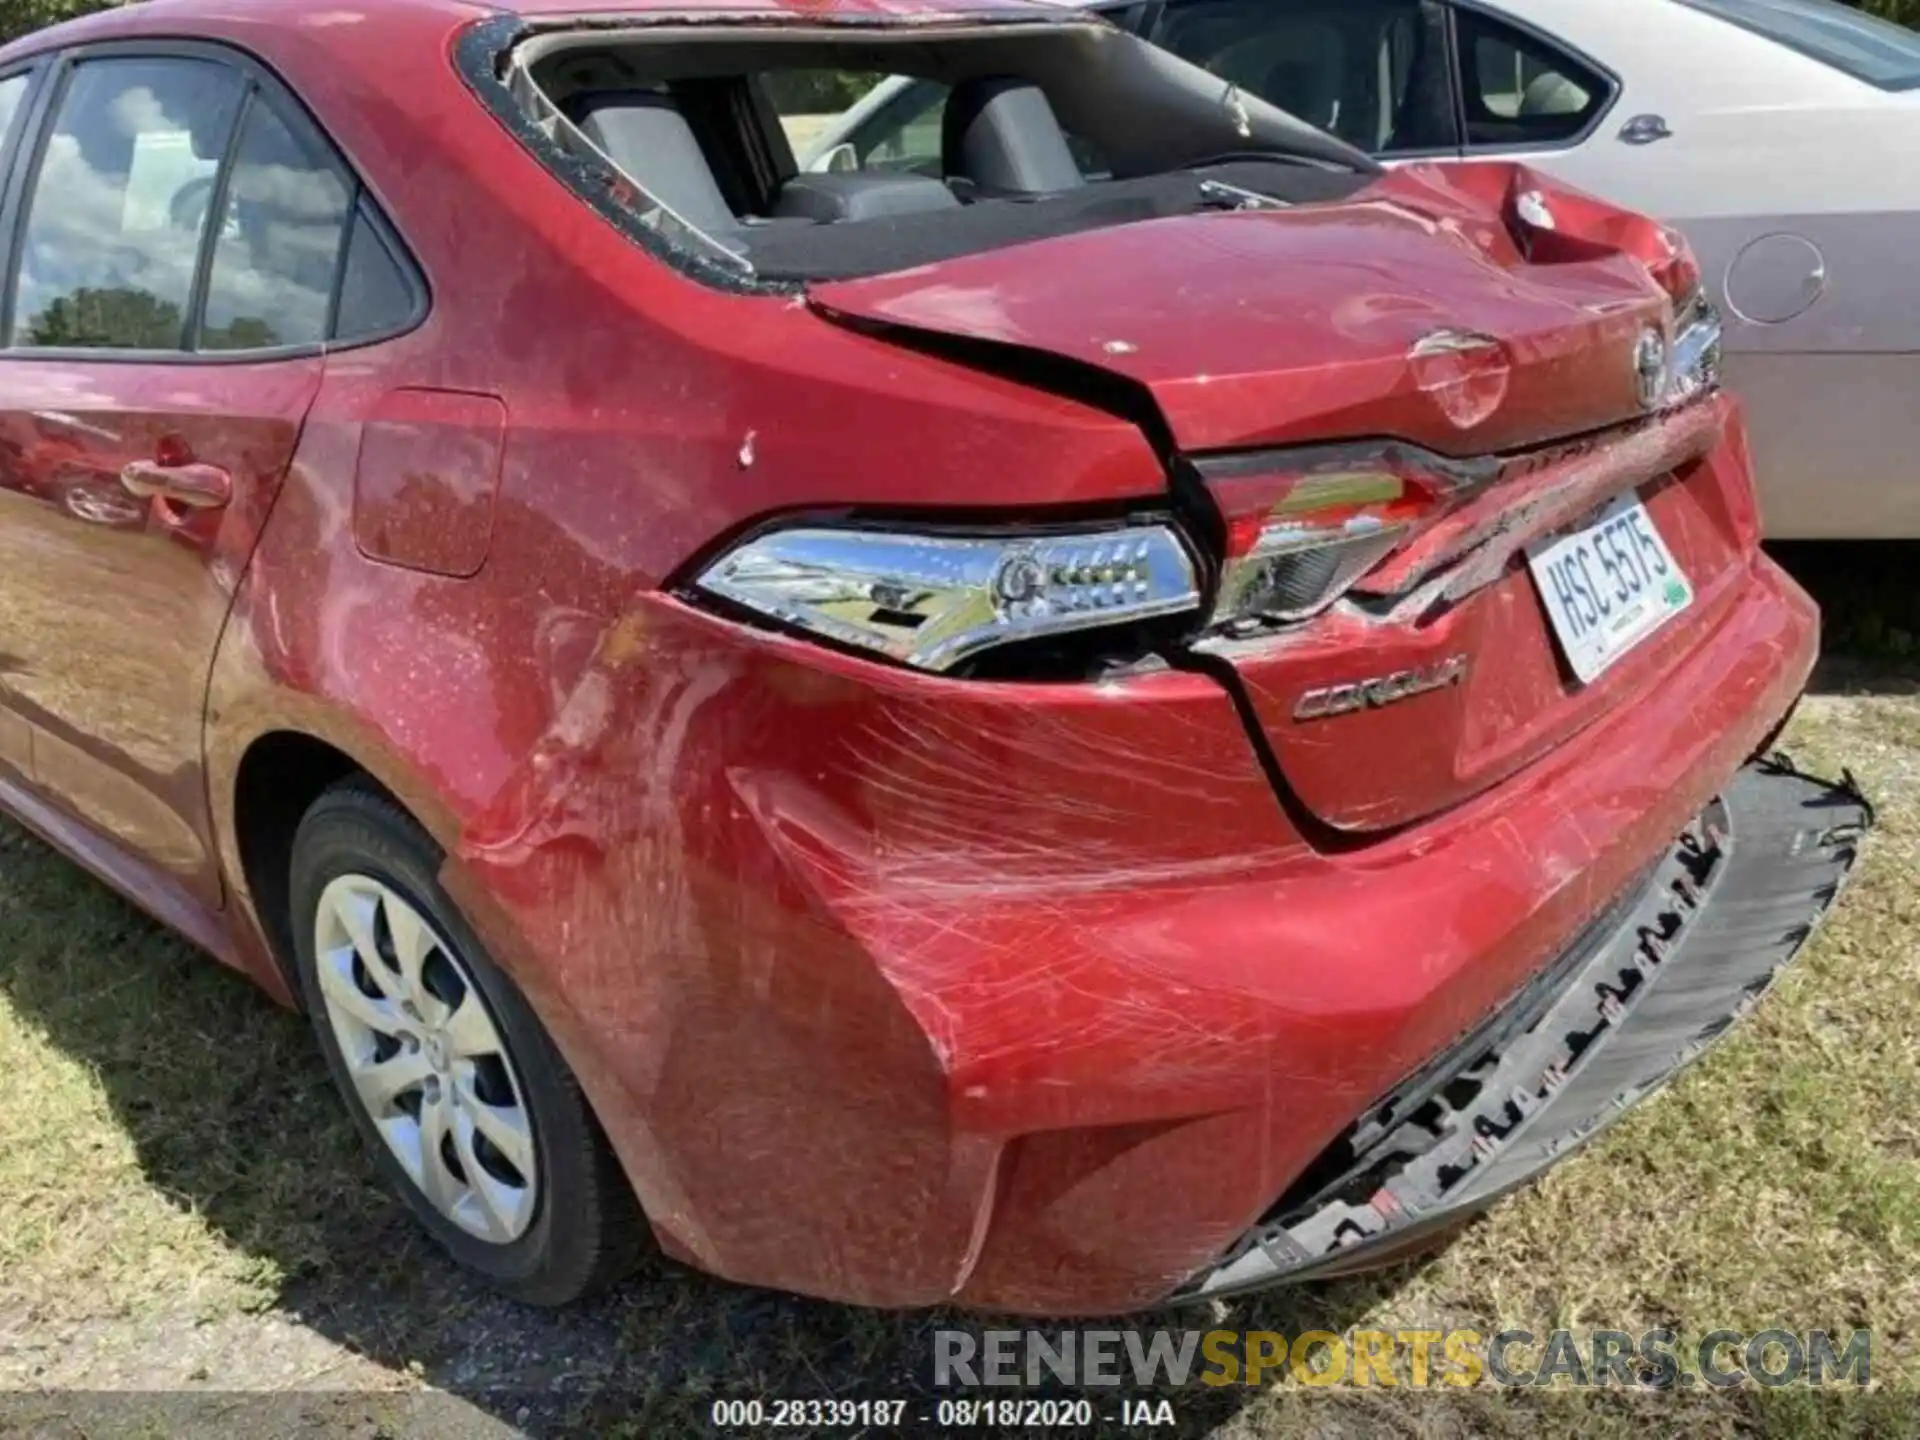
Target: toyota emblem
(1650,368)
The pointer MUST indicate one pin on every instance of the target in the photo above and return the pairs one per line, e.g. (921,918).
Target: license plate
(1608,585)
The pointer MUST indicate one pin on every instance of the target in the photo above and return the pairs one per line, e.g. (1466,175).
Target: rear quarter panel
(539,724)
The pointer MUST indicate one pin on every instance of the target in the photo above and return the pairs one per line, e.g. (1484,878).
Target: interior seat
(841,197)
(644,133)
(1000,135)
(1553,94)
(1306,90)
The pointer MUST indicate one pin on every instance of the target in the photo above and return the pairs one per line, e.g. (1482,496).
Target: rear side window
(121,204)
(1863,46)
(377,296)
(182,203)
(277,250)
(1517,90)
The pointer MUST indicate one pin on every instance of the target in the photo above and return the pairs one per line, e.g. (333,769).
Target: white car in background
(1781,135)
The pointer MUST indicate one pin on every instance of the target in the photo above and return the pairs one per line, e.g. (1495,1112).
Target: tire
(566,1227)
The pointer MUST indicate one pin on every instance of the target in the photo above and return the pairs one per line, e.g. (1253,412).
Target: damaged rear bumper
(1638,996)
(1029,998)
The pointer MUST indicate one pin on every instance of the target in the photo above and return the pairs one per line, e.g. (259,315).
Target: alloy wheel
(426,1058)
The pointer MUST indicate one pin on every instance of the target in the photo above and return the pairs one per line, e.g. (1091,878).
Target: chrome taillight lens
(1303,526)
(933,601)
(1694,361)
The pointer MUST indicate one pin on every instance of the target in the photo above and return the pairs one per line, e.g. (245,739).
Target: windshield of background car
(1863,46)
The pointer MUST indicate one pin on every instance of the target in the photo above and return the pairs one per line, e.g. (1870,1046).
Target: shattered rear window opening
(686,136)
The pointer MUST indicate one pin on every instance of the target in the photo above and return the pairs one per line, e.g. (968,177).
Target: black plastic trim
(337,287)
(17,144)
(195,320)
(30,72)
(31,153)
(1626,1007)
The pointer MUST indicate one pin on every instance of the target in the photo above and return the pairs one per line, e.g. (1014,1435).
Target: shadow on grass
(1869,596)
(231,1113)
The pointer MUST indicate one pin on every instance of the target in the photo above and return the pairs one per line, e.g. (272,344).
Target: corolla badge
(1380,691)
(1650,368)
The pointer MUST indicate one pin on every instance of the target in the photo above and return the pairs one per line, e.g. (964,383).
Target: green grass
(167,1138)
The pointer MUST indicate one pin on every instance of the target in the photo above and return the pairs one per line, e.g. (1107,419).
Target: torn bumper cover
(1639,995)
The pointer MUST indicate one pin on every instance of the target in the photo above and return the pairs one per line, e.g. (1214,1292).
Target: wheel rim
(426,1059)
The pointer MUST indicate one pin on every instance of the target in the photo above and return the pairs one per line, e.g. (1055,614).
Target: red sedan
(1155,712)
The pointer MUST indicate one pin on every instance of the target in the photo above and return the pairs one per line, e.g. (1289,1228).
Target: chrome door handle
(1645,130)
(198,487)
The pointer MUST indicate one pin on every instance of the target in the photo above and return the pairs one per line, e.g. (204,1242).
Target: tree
(17,17)
(818,92)
(121,318)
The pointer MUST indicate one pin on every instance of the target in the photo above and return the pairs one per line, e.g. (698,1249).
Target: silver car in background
(1781,135)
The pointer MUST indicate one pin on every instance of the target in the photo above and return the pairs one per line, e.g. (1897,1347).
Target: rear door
(177,229)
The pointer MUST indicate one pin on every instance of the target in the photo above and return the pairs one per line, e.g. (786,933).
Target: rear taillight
(1672,263)
(933,600)
(1694,359)
(1302,526)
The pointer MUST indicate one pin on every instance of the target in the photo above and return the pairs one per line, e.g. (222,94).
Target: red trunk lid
(1252,331)
(1261,328)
